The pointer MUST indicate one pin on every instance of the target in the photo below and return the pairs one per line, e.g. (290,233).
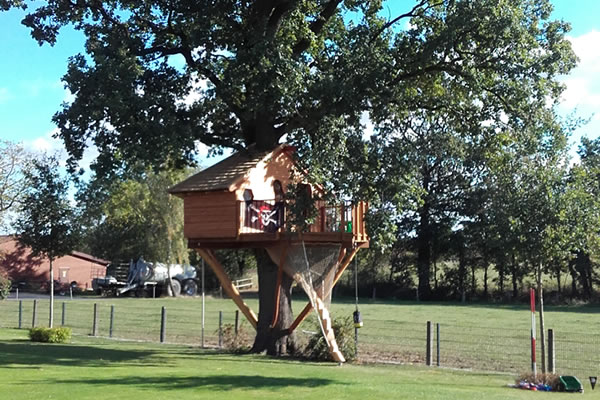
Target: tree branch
(317,26)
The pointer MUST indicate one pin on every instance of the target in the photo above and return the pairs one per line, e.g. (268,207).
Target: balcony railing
(260,216)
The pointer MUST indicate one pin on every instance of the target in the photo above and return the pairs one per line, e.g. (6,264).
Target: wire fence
(453,345)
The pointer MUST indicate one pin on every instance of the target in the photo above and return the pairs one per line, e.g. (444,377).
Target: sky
(31,90)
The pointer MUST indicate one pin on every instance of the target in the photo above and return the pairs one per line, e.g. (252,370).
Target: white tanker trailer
(145,278)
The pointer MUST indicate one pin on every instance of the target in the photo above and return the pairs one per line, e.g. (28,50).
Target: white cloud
(583,83)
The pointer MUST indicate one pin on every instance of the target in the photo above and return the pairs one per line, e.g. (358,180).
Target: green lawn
(486,337)
(91,368)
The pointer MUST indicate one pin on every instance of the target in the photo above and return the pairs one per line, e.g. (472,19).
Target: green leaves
(47,223)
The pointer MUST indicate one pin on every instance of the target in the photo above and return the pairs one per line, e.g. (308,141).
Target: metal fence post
(63,314)
(551,353)
(20,314)
(95,322)
(429,351)
(237,321)
(34,318)
(163,324)
(220,329)
(437,339)
(112,320)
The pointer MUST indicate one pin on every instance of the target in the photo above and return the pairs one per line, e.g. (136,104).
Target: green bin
(570,384)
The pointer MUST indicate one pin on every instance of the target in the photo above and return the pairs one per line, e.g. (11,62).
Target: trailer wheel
(190,287)
(176,288)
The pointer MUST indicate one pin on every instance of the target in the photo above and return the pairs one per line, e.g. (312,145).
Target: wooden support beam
(227,285)
(343,265)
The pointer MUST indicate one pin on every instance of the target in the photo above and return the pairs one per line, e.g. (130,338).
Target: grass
(92,368)
(477,336)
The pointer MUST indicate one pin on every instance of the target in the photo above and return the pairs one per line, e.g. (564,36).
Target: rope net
(313,267)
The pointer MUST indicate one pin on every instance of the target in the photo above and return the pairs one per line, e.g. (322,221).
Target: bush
(343,328)
(50,335)
(5,285)
(239,343)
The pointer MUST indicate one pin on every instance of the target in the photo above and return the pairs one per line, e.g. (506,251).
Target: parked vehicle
(145,278)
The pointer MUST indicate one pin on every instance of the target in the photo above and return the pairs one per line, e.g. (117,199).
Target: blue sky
(31,90)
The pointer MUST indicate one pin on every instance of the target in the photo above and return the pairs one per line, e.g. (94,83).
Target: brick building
(22,266)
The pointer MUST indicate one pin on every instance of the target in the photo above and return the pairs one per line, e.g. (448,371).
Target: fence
(448,344)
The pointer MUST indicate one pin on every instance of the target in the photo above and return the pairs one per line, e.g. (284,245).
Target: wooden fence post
(34,318)
(428,353)
(437,339)
(95,321)
(112,321)
(237,321)
(220,329)
(163,324)
(551,353)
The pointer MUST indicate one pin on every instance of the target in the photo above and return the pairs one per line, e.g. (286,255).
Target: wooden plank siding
(210,215)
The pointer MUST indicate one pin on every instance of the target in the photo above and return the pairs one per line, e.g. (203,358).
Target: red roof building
(22,266)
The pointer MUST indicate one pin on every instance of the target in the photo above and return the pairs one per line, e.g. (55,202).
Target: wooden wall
(260,179)
(210,215)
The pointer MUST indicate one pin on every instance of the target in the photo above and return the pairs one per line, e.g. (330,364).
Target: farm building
(22,266)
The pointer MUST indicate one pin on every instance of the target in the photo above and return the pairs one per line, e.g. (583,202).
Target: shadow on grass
(27,353)
(212,383)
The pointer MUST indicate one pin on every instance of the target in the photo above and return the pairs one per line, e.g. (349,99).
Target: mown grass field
(94,368)
(483,337)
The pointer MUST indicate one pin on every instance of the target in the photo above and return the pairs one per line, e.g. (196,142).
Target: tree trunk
(424,253)
(274,340)
(51,313)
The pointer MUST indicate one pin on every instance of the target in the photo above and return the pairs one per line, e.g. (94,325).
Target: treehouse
(241,202)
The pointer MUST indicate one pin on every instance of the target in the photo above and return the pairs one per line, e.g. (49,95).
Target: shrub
(50,335)
(343,328)
(239,343)
(5,285)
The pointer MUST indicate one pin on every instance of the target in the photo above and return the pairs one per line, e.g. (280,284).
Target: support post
(229,287)
(95,321)
(429,350)
(437,338)
(551,359)
(220,329)
(112,321)
(163,324)
(63,314)
(34,318)
(20,314)
(17,293)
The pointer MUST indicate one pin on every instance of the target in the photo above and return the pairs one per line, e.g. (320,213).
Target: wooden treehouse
(240,203)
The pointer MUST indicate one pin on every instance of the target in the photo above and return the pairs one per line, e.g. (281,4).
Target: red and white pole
(532,301)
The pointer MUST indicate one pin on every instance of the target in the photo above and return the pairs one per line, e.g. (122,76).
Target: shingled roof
(225,173)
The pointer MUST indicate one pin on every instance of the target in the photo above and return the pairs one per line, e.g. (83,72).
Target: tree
(135,216)
(47,223)
(236,73)
(14,162)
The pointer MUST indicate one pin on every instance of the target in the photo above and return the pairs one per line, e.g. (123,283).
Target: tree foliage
(47,222)
(15,161)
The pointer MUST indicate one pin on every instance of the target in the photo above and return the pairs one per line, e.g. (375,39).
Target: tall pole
(51,314)
(203,308)
(532,301)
